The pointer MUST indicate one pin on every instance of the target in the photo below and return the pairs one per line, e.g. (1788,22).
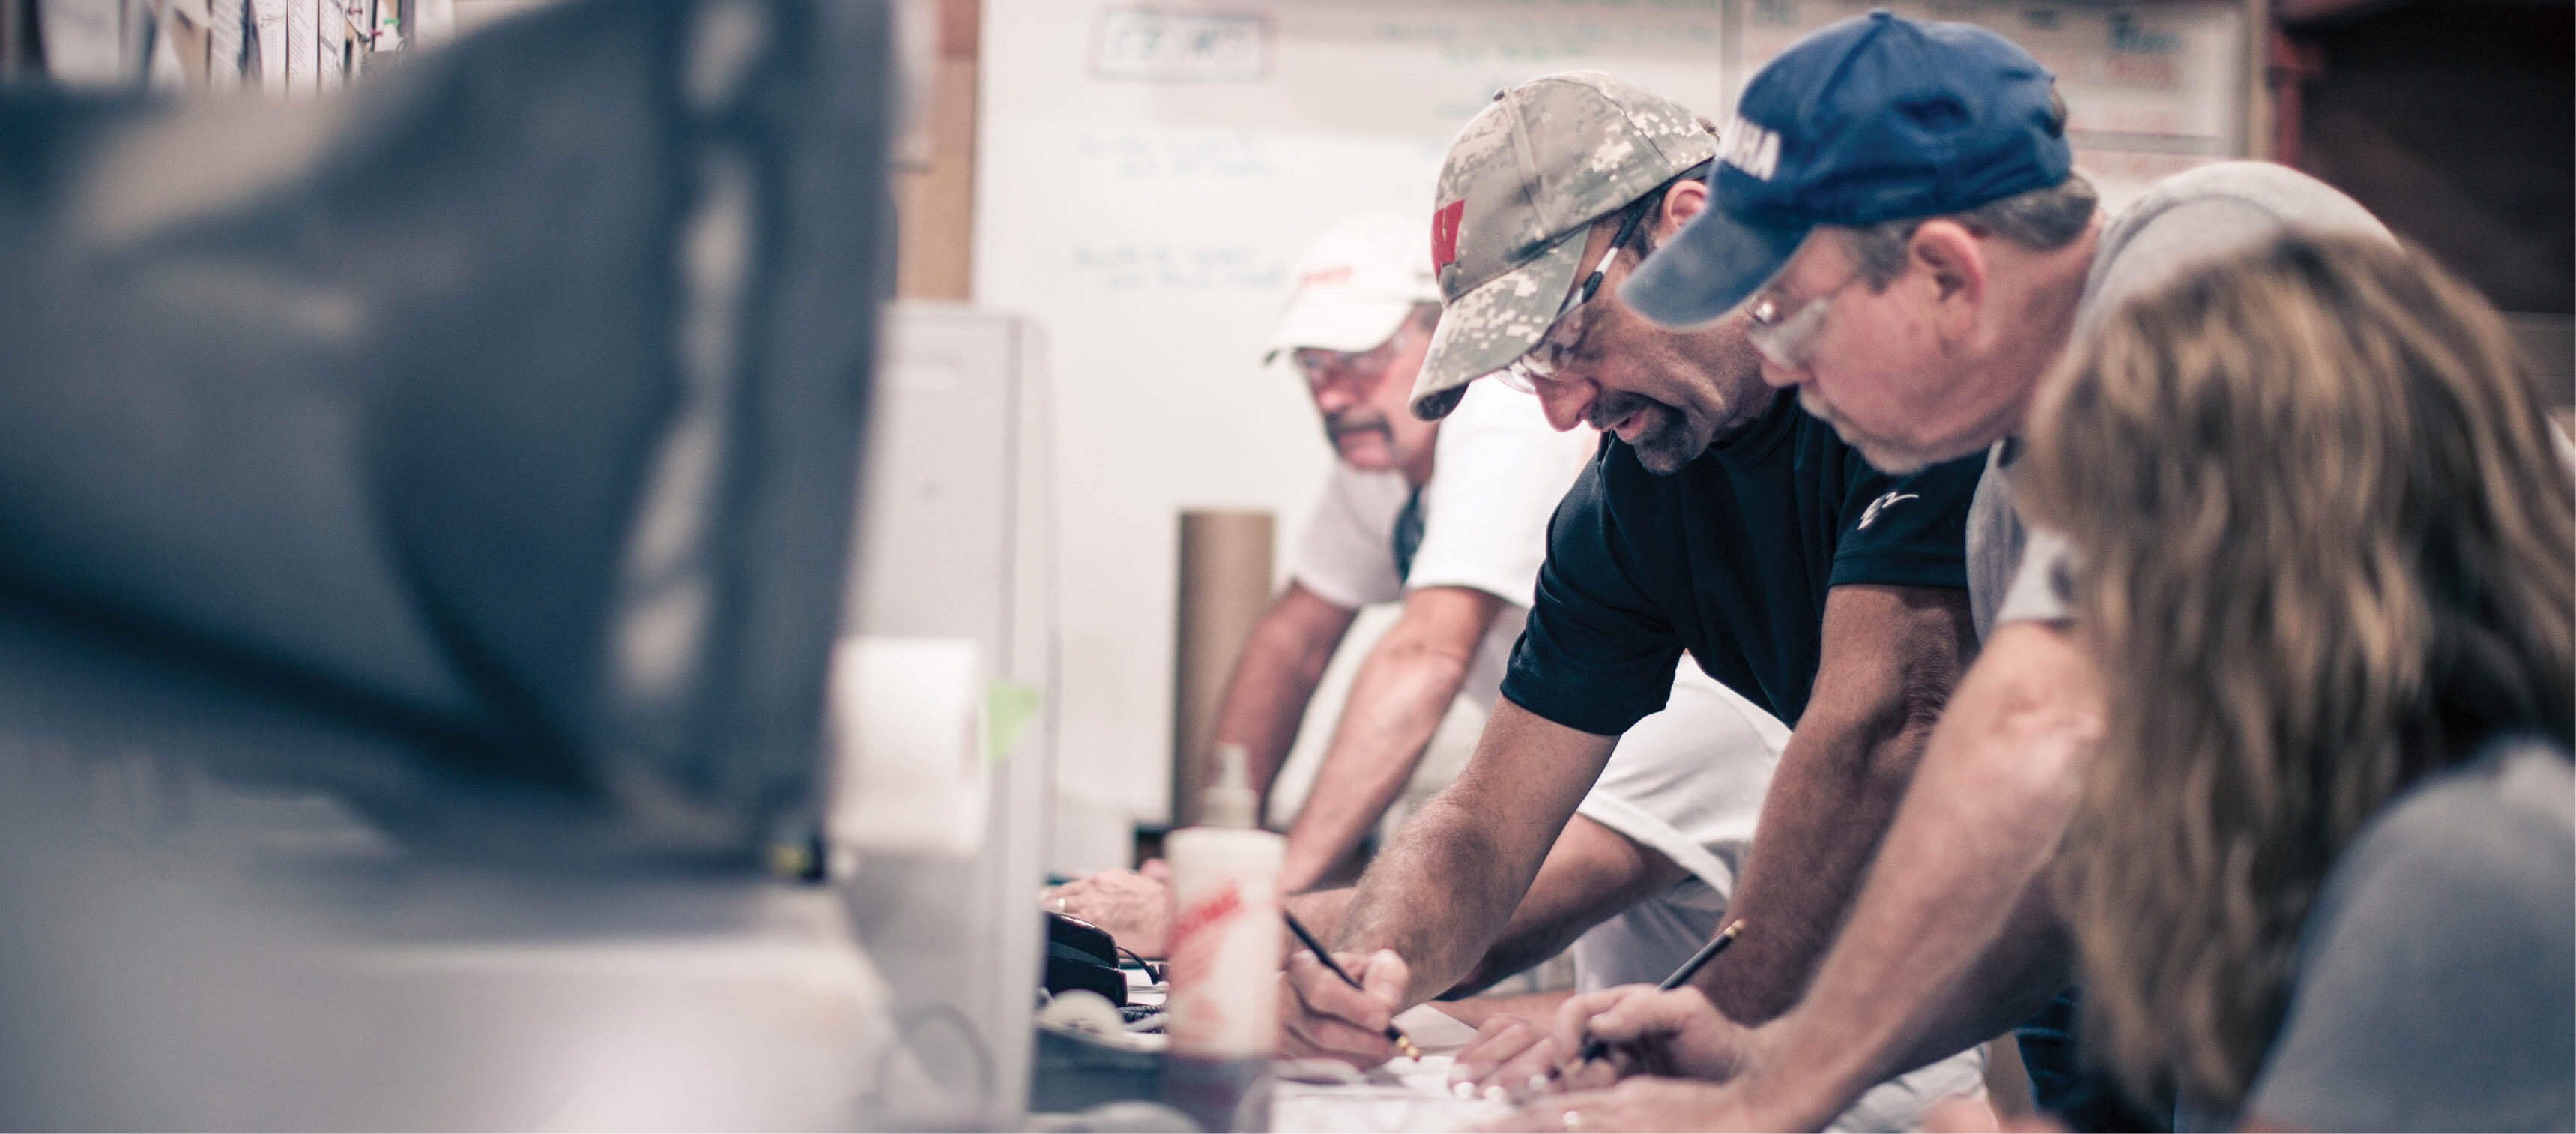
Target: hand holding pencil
(1516,1057)
(1597,1047)
(1343,1008)
(1670,1029)
(1324,956)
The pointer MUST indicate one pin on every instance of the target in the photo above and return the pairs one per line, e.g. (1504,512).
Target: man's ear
(1686,199)
(1955,267)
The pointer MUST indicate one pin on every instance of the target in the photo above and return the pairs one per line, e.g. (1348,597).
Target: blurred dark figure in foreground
(2324,872)
(452,476)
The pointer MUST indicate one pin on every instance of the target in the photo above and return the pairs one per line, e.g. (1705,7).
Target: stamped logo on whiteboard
(1150,46)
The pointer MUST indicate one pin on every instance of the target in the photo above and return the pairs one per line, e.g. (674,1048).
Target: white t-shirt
(1688,783)
(1497,473)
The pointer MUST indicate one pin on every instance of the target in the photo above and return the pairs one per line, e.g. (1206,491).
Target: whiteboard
(1146,171)
(1144,175)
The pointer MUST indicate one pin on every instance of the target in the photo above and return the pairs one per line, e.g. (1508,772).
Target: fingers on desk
(1511,1055)
(1502,1037)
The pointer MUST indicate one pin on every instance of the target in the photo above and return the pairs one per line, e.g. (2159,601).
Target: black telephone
(1082,955)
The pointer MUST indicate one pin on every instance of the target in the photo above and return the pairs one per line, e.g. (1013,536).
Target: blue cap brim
(1713,264)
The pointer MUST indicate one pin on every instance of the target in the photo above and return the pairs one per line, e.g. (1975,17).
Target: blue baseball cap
(1873,118)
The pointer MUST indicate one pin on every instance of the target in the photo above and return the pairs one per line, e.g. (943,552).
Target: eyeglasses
(1789,341)
(1323,368)
(1563,334)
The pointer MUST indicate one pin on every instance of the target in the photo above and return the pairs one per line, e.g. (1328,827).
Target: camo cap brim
(1518,192)
(1484,330)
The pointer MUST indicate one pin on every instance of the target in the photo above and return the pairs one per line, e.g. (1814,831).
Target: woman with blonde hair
(2324,872)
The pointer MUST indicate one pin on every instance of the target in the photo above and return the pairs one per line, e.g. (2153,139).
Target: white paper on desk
(908,772)
(1434,1031)
(1417,1099)
(1400,1094)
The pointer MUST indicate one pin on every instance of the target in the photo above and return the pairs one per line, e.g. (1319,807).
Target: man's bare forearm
(1590,875)
(1952,939)
(1891,657)
(1819,827)
(1274,677)
(1397,698)
(1444,890)
(1321,912)
(1396,703)
(1437,897)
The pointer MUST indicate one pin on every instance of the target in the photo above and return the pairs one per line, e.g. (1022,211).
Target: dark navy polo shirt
(1729,558)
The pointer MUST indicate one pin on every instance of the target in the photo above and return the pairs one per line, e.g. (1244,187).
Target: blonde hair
(2327,547)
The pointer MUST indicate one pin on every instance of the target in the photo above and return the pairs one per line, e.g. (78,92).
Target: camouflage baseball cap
(1521,187)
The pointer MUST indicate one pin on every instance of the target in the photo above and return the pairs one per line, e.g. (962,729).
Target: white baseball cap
(1357,284)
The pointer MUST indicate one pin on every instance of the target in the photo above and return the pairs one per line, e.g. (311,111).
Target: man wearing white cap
(1460,550)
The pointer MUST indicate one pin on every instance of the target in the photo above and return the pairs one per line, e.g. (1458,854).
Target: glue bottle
(1225,944)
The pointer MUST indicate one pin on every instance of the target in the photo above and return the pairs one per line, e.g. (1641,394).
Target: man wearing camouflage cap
(1720,520)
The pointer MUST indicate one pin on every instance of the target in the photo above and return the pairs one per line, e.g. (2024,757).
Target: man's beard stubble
(1665,445)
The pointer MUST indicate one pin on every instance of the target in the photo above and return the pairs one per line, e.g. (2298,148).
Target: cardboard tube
(1224,586)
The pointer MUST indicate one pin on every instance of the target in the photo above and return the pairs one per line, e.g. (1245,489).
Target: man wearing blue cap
(1896,214)
(1716,520)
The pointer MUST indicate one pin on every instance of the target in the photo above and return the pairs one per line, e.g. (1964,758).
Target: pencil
(1681,976)
(1403,1042)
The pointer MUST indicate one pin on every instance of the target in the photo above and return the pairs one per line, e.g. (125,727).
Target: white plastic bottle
(1223,1016)
(1225,938)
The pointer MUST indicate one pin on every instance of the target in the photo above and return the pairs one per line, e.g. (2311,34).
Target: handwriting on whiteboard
(1174,155)
(1145,45)
(1176,265)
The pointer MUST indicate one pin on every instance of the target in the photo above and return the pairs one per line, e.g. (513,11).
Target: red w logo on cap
(1444,233)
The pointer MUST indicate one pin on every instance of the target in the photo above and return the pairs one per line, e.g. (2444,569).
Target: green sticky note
(1008,708)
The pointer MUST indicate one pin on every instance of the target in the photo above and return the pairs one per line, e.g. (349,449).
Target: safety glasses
(1563,334)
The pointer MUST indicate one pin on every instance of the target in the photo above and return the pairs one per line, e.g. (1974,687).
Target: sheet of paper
(268,29)
(1434,1031)
(303,48)
(224,45)
(1397,1095)
(1415,1100)
(330,30)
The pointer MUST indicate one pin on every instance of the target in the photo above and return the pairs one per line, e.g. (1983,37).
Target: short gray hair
(2042,220)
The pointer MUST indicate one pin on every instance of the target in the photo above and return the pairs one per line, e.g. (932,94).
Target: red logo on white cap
(1444,233)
